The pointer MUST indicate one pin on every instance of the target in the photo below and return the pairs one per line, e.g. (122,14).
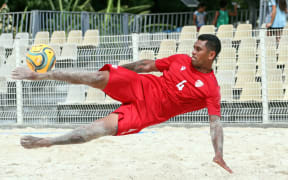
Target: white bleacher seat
(58,37)
(249,42)
(243,31)
(3,85)
(42,37)
(75,37)
(22,38)
(285,85)
(227,59)
(244,77)
(186,47)
(167,48)
(2,55)
(68,56)
(188,32)
(75,95)
(57,49)
(275,91)
(147,54)
(11,60)
(226,82)
(283,42)
(282,55)
(251,91)
(5,70)
(6,40)
(124,62)
(246,55)
(226,42)
(285,74)
(94,96)
(109,100)
(270,56)
(274,75)
(270,42)
(91,38)
(225,31)
(207,29)
(270,65)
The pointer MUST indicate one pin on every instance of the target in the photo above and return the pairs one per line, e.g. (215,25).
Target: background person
(222,16)
(277,19)
(199,16)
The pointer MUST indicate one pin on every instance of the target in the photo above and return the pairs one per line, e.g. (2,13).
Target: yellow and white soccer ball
(40,58)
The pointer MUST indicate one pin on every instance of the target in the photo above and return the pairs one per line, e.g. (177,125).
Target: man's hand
(219,160)
(216,132)
(21,73)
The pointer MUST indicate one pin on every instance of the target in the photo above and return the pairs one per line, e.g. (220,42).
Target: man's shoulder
(181,56)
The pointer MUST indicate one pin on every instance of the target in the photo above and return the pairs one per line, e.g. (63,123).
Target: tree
(71,5)
(122,7)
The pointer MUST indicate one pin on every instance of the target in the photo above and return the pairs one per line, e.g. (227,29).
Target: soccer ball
(40,58)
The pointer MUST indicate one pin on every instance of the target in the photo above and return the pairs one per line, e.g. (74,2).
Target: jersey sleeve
(213,103)
(164,63)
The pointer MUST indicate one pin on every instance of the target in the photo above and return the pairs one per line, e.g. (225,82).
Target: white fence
(108,23)
(252,70)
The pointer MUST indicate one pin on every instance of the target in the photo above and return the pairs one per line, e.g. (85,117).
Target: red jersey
(148,99)
(184,89)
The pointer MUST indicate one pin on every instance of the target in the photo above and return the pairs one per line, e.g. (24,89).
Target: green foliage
(71,5)
(59,5)
(131,6)
(170,6)
(139,9)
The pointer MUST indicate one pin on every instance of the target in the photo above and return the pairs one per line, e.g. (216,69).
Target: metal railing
(107,23)
(254,87)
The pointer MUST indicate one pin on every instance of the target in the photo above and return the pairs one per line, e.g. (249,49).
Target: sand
(156,153)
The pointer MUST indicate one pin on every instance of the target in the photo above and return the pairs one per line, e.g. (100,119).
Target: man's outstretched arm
(141,66)
(216,132)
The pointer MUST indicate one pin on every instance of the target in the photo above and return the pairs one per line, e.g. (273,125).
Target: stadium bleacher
(238,67)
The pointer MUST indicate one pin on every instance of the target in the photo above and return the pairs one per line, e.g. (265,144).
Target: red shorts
(126,86)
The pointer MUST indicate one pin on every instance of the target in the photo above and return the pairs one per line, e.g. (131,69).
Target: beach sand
(168,153)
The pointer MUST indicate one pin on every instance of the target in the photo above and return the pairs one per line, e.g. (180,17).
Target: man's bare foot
(30,142)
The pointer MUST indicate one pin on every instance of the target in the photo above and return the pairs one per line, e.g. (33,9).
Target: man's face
(200,54)
(201,9)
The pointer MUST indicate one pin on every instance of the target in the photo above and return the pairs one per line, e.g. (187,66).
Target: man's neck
(203,70)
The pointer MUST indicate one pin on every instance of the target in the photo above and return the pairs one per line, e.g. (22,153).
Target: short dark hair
(223,3)
(213,43)
(201,5)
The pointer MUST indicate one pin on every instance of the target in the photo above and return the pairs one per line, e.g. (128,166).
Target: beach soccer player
(187,84)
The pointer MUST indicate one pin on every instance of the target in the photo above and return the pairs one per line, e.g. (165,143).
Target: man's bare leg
(102,127)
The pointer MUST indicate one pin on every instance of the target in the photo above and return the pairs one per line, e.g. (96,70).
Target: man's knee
(101,79)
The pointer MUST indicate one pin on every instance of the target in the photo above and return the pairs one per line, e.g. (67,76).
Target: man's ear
(212,55)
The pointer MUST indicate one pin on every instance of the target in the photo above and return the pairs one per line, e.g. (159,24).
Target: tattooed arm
(141,66)
(216,132)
